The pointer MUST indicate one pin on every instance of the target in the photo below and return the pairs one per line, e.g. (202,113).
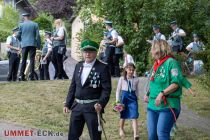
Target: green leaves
(8,22)
(134,20)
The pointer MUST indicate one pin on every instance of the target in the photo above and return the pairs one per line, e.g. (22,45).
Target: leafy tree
(45,22)
(8,21)
(134,20)
(57,8)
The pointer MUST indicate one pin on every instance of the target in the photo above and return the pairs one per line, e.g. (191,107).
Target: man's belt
(86,101)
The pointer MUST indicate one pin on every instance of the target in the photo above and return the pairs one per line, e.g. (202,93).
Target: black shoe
(21,78)
(31,79)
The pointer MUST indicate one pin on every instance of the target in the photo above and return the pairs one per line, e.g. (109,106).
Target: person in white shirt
(158,35)
(59,40)
(112,37)
(177,41)
(127,59)
(127,94)
(195,47)
(14,49)
(46,52)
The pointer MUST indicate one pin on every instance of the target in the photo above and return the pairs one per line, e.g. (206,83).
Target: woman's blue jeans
(159,123)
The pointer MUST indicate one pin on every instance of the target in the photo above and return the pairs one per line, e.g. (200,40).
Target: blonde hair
(161,48)
(58,22)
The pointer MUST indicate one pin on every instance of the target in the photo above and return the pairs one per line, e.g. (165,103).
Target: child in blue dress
(127,94)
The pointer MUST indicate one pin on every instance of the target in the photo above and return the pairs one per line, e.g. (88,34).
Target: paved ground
(187,118)
(4,66)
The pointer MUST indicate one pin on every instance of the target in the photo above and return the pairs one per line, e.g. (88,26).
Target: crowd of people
(90,88)
(87,99)
(177,44)
(26,40)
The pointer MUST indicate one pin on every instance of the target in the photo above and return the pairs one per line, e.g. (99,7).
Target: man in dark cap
(88,94)
(177,41)
(112,37)
(195,47)
(14,49)
(30,41)
(45,57)
(158,35)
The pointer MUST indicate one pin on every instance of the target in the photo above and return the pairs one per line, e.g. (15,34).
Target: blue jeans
(159,123)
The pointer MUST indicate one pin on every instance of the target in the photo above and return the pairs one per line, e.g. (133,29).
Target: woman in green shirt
(164,92)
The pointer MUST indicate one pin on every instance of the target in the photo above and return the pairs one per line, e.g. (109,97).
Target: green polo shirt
(168,73)
(185,83)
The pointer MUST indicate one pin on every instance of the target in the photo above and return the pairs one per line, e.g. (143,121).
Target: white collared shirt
(113,33)
(86,70)
(161,36)
(123,85)
(178,30)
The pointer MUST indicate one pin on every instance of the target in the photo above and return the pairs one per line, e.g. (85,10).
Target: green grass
(200,104)
(39,105)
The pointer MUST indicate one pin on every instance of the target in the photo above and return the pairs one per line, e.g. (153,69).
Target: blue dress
(129,99)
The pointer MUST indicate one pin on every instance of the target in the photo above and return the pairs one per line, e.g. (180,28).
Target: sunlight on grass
(200,104)
(39,105)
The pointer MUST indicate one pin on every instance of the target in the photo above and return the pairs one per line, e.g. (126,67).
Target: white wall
(77,26)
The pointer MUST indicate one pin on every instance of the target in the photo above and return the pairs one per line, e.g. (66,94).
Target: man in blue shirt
(30,41)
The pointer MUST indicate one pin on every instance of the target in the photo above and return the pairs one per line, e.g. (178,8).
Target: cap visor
(89,48)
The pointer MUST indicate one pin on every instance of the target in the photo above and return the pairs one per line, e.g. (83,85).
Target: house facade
(20,5)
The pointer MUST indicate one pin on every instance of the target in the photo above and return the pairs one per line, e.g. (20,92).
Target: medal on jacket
(94,86)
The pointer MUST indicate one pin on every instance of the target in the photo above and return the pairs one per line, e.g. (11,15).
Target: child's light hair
(161,48)
(58,22)
(127,66)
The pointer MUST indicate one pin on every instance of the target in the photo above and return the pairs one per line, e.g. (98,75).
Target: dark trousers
(110,51)
(44,70)
(14,60)
(77,121)
(116,64)
(32,52)
(178,48)
(57,60)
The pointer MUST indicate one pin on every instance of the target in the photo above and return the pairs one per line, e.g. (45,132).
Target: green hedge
(4,35)
(205,57)
(44,23)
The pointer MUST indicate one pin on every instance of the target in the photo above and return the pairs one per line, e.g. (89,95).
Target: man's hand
(52,38)
(65,110)
(97,107)
(158,99)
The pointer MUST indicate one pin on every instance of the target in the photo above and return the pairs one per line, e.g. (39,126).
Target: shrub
(4,35)
(44,21)
(9,20)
